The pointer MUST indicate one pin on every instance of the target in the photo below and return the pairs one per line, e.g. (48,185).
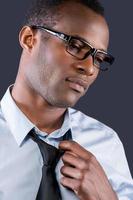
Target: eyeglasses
(81,49)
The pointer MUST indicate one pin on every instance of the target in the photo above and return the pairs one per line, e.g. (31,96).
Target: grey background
(110,98)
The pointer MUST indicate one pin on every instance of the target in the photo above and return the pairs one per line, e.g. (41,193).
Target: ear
(27,38)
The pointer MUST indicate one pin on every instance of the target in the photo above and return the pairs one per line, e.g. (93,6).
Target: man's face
(54,74)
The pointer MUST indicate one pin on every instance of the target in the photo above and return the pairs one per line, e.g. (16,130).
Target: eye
(75,47)
(99,59)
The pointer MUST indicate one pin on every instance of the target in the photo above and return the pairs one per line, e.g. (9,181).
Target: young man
(64,47)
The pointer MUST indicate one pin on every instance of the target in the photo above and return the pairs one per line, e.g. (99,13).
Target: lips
(77,84)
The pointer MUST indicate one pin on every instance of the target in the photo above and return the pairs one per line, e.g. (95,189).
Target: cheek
(93,78)
(97,71)
(55,66)
(50,74)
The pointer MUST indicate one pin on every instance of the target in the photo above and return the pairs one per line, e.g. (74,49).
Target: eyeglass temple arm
(57,34)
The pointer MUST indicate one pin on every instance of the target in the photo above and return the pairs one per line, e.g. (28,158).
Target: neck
(46,117)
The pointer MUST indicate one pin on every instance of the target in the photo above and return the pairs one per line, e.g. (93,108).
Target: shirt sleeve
(104,143)
(117,170)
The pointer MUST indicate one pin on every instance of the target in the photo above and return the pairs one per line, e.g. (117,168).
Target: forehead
(77,19)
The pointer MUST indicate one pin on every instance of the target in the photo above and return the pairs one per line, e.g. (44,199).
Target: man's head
(48,66)
(47,12)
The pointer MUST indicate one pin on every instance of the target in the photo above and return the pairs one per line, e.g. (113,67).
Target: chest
(21,172)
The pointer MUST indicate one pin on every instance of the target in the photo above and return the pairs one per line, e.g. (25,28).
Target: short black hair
(46,12)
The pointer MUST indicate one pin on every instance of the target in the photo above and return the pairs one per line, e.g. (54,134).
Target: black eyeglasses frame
(67,38)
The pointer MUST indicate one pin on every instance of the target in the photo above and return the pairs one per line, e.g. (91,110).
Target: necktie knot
(50,154)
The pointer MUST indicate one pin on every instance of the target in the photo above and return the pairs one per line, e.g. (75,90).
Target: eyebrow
(84,40)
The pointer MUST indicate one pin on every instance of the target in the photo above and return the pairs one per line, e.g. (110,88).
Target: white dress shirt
(21,161)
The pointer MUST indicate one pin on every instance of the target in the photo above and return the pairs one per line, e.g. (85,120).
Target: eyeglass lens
(79,49)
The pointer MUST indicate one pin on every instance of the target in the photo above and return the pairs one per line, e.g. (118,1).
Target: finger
(79,163)
(75,148)
(72,153)
(70,183)
(71,172)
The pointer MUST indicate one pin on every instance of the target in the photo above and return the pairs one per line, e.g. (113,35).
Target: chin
(65,103)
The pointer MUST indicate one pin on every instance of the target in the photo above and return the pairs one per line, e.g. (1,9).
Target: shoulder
(85,122)
(93,134)
(3,123)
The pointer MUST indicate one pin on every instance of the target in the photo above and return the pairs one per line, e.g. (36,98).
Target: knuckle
(76,186)
(73,144)
(65,181)
(86,175)
(80,174)
(92,159)
(92,163)
(83,186)
(83,164)
(65,156)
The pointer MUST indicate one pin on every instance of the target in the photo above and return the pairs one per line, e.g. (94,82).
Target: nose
(86,66)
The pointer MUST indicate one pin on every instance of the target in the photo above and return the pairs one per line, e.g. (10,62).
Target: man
(64,48)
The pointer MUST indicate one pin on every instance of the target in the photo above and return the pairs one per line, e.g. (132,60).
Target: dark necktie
(49,189)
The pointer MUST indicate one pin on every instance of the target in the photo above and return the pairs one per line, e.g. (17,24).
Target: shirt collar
(19,124)
(59,132)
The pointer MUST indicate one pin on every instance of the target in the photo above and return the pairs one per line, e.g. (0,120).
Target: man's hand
(83,174)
